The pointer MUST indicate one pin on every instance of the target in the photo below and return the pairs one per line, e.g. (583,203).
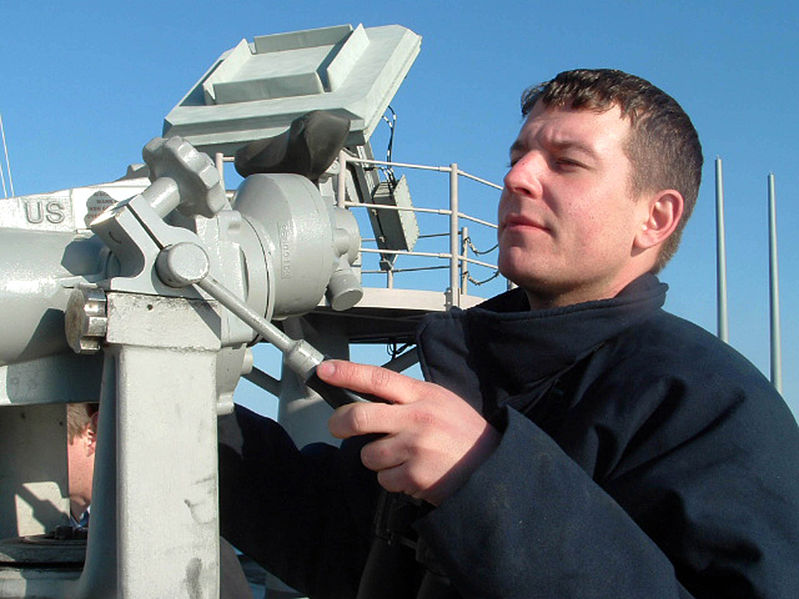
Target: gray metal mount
(162,284)
(256,89)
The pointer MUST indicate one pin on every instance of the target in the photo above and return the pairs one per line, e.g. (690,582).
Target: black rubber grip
(337,396)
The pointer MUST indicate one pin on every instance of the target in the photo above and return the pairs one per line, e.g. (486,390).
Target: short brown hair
(79,416)
(663,146)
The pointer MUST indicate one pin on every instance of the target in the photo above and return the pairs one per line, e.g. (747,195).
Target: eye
(514,157)
(567,163)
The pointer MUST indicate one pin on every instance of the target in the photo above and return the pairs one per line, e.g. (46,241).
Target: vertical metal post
(2,176)
(219,160)
(8,164)
(455,296)
(341,191)
(721,259)
(99,576)
(774,288)
(464,263)
(165,537)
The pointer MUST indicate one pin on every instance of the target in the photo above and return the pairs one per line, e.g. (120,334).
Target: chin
(520,272)
(507,270)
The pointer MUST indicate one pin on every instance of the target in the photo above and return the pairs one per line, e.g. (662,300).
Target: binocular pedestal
(154,528)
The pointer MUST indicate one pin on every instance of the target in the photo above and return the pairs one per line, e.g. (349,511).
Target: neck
(543,298)
(539,301)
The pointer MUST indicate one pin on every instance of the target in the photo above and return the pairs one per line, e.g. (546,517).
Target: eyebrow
(570,144)
(517,146)
(564,144)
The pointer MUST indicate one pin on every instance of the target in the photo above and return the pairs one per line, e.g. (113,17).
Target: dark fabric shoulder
(668,351)
(697,437)
(660,385)
(666,341)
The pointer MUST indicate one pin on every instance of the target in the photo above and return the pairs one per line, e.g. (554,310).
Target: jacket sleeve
(531,522)
(305,515)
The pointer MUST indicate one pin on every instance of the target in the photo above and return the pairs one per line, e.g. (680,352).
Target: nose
(524,177)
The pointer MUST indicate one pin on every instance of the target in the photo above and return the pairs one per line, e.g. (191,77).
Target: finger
(386,452)
(396,480)
(364,378)
(362,419)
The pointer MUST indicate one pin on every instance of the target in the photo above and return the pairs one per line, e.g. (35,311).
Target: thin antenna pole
(721,259)
(8,165)
(2,177)
(3,181)
(774,288)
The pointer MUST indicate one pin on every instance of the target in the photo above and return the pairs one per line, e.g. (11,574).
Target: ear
(662,214)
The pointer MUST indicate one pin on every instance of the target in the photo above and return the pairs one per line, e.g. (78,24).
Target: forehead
(595,132)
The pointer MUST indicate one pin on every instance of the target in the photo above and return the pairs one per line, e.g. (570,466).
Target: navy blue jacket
(640,457)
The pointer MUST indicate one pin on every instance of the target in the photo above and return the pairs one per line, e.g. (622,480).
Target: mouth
(521,222)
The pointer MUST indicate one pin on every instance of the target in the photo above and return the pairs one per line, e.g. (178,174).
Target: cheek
(501,206)
(585,225)
(608,236)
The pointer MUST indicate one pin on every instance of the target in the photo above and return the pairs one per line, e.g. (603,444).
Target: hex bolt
(85,320)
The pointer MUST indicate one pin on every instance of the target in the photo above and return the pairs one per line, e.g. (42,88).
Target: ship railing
(461,251)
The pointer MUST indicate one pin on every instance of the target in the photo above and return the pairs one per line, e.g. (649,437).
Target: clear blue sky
(84,85)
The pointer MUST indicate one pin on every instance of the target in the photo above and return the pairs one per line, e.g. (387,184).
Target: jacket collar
(501,347)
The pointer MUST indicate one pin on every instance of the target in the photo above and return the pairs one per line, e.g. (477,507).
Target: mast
(8,164)
(721,260)
(774,288)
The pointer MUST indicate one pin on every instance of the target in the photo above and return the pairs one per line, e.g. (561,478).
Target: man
(81,448)
(575,440)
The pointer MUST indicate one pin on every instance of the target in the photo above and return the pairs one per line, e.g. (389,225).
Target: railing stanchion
(219,160)
(464,263)
(453,236)
(460,244)
(341,191)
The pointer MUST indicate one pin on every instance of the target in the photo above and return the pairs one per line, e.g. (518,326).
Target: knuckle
(421,417)
(359,418)
(380,378)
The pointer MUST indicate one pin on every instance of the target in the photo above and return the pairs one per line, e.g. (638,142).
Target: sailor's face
(567,219)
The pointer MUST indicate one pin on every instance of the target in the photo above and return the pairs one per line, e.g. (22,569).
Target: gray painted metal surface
(774,289)
(171,356)
(160,500)
(398,229)
(109,273)
(256,89)
(722,318)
